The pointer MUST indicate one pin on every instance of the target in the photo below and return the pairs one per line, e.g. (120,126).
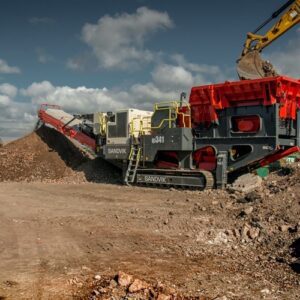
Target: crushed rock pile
(125,286)
(284,180)
(47,156)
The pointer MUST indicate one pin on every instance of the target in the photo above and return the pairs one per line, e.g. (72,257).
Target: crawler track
(209,179)
(187,179)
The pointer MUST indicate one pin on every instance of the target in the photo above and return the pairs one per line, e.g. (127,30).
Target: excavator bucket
(251,66)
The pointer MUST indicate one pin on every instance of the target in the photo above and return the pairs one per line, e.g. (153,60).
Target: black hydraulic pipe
(69,122)
(275,15)
(182,96)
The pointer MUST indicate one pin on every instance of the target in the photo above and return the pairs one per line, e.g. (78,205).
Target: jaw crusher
(224,130)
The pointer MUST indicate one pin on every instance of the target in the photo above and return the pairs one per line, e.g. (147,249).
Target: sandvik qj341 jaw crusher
(225,129)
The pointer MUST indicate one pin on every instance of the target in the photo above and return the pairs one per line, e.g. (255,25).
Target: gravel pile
(126,286)
(47,156)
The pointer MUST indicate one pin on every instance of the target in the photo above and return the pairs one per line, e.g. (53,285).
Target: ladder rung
(133,163)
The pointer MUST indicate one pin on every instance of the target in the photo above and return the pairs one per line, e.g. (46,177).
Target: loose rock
(124,279)
(138,285)
(247,183)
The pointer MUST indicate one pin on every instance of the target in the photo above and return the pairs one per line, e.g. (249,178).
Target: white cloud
(118,41)
(84,100)
(287,60)
(79,99)
(40,89)
(6,69)
(145,95)
(4,101)
(169,76)
(16,118)
(8,89)
(203,73)
(7,93)
(203,68)
(172,79)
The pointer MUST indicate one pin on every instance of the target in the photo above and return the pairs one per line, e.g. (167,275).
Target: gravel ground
(63,235)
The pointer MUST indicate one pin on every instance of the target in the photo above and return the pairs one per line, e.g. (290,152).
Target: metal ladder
(134,159)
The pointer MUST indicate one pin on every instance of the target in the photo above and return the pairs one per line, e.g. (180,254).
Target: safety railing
(177,111)
(140,126)
(101,119)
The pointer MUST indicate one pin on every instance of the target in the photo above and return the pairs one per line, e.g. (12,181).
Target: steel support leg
(221,172)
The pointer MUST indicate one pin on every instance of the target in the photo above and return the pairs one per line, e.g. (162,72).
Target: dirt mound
(99,171)
(46,155)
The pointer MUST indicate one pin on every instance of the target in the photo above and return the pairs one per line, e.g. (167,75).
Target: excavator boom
(250,65)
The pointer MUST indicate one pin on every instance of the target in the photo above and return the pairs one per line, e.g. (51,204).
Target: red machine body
(206,100)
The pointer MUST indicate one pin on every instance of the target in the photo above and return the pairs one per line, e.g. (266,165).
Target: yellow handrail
(172,106)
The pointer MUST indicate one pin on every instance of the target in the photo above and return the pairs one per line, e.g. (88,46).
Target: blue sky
(102,55)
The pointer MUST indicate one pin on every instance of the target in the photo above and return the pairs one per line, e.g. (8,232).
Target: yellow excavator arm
(250,65)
